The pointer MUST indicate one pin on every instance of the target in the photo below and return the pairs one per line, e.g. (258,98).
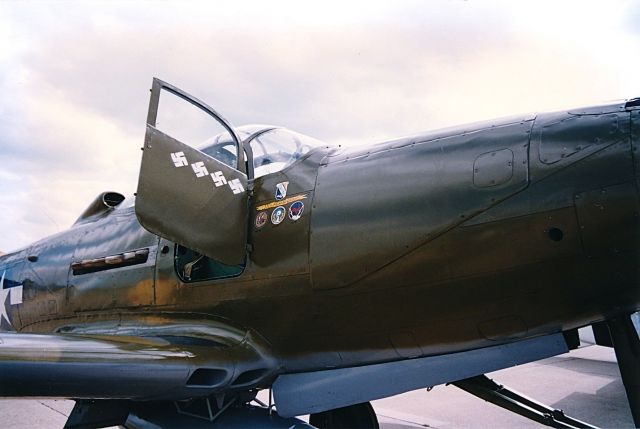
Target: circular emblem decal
(278,214)
(261,219)
(295,210)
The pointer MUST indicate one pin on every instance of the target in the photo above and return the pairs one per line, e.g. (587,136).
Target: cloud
(66,156)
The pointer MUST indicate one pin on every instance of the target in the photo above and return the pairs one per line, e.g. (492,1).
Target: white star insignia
(4,293)
(14,294)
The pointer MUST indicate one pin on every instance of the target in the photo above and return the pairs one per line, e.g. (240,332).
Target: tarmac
(585,383)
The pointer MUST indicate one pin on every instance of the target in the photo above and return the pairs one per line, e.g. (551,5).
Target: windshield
(273,148)
(278,148)
(223,148)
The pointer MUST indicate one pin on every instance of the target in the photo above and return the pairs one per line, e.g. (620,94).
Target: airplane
(265,261)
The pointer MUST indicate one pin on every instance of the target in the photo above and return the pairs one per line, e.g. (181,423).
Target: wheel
(358,416)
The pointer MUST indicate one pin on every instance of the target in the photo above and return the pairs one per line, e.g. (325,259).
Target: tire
(358,416)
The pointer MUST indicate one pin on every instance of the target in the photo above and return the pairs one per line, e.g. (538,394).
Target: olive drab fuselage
(447,241)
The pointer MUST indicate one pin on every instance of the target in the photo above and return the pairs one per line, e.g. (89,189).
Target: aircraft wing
(163,366)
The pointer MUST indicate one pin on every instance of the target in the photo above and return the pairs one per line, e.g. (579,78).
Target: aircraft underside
(245,409)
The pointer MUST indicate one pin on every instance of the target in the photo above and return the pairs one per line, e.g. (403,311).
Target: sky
(75,78)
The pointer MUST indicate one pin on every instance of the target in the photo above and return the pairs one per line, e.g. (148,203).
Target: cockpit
(270,149)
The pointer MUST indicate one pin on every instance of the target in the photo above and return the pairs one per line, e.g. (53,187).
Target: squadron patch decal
(295,210)
(261,219)
(278,215)
(281,190)
(289,200)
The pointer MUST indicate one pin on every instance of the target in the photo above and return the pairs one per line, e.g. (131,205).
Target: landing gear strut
(627,346)
(359,416)
(487,389)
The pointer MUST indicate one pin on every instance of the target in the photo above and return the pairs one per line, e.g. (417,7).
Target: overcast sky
(75,77)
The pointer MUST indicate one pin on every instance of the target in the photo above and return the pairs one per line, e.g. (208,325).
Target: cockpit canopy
(269,148)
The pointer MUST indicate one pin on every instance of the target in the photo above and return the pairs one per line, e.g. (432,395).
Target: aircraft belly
(313,392)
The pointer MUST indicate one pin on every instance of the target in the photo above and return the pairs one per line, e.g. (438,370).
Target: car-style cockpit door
(185,195)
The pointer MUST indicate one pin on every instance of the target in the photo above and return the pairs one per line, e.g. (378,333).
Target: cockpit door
(187,196)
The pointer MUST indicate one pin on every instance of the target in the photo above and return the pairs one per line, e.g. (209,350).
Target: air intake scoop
(103,203)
